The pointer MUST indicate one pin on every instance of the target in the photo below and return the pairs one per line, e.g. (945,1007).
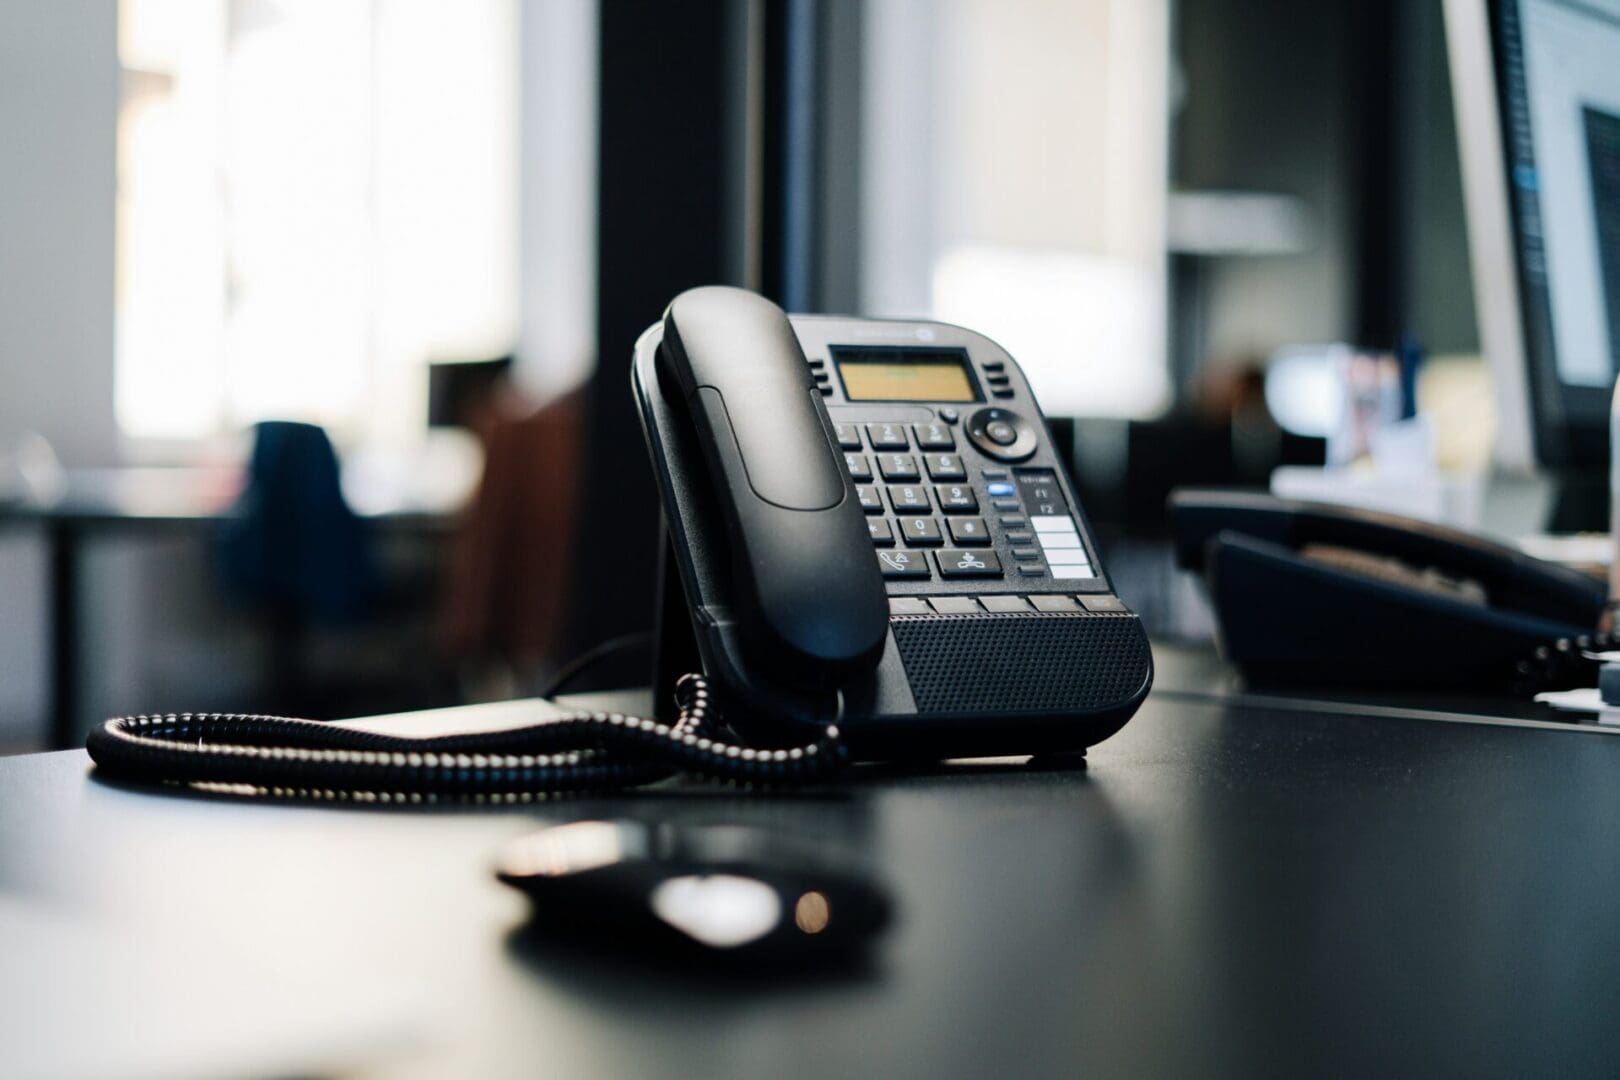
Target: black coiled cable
(574,752)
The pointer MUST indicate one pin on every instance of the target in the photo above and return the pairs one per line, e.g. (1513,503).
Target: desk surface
(1226,890)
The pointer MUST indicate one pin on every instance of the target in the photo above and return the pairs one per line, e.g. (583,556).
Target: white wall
(58,110)
(557,195)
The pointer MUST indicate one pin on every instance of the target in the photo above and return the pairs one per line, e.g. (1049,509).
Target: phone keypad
(898,467)
(956,499)
(920,532)
(925,506)
(887,436)
(907,499)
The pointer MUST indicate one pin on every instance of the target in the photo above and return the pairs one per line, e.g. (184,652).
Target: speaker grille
(1079,662)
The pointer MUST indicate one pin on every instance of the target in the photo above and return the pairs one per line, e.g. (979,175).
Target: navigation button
(955,562)
(903,564)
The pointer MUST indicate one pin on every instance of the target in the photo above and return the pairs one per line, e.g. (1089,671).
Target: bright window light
(315,198)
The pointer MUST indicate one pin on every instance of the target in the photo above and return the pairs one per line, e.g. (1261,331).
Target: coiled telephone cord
(575,752)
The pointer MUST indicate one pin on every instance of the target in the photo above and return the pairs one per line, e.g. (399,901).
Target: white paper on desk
(80,999)
(1587,699)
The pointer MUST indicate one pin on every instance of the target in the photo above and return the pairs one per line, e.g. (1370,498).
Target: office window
(1014,181)
(315,198)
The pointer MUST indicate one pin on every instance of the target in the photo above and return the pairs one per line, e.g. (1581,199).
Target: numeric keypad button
(956,499)
(909,499)
(933,437)
(920,532)
(898,467)
(887,436)
(969,532)
(881,533)
(945,466)
(849,436)
(871,501)
(858,467)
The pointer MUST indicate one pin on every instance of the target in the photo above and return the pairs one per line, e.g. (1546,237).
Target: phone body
(1307,593)
(981,620)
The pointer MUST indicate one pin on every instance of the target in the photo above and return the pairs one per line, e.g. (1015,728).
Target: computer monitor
(1536,86)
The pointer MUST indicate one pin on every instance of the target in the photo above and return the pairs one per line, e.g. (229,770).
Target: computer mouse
(720,890)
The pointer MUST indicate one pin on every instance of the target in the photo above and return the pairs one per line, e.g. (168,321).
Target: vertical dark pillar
(661,229)
(1377,88)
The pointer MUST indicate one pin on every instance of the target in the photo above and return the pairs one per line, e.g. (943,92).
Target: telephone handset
(1328,595)
(867,520)
(806,590)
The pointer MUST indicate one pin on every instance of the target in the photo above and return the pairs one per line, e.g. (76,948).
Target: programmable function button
(920,532)
(858,467)
(1000,489)
(887,436)
(880,531)
(909,605)
(849,436)
(1060,544)
(900,563)
(956,499)
(955,605)
(969,532)
(1002,605)
(871,501)
(1055,603)
(945,466)
(959,563)
(909,499)
(933,437)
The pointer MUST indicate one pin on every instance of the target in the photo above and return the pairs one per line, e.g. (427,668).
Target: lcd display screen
(902,374)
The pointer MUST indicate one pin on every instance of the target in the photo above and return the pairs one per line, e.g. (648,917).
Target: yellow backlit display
(910,381)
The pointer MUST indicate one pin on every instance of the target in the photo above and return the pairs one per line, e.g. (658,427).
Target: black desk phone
(1327,595)
(872,552)
(867,521)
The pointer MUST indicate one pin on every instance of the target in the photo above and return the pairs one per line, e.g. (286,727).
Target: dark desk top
(1227,890)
